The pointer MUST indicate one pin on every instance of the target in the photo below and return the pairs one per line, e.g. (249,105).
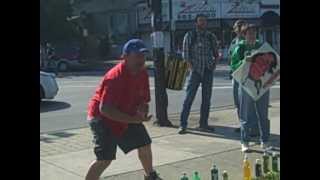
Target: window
(165,11)
(119,23)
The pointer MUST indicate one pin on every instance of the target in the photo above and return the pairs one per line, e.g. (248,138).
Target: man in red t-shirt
(118,109)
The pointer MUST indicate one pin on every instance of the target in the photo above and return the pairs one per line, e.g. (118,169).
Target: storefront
(182,27)
(221,17)
(270,29)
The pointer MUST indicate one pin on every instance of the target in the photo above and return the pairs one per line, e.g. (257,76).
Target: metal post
(171,21)
(158,56)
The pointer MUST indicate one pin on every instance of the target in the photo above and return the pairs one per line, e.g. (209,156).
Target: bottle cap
(246,157)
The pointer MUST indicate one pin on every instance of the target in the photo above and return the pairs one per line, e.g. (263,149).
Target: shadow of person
(229,133)
(47,106)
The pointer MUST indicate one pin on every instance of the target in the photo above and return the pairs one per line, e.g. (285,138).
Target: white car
(48,85)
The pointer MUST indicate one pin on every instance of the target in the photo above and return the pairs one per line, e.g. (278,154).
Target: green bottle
(278,176)
(279,162)
(214,173)
(274,162)
(184,177)
(265,163)
(270,176)
(196,176)
(225,175)
(258,169)
(267,176)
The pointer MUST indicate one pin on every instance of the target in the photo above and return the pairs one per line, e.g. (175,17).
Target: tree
(53,21)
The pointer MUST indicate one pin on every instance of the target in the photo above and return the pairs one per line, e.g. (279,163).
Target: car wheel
(62,66)
(41,93)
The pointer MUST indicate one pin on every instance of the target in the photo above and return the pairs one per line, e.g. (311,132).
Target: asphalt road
(68,109)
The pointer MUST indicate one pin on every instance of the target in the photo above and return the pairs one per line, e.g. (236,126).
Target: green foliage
(53,21)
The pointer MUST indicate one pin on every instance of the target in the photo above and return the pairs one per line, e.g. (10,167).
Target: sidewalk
(66,155)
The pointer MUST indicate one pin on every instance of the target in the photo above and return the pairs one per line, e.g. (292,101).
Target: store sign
(187,10)
(144,13)
(240,9)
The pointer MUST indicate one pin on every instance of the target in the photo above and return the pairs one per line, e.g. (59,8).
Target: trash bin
(176,71)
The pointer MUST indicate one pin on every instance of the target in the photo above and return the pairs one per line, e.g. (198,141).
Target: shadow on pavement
(55,136)
(47,106)
(229,133)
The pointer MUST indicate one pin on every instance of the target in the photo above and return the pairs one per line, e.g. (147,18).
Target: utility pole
(157,37)
(172,28)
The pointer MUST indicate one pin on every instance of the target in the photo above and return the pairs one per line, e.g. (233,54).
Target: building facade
(124,19)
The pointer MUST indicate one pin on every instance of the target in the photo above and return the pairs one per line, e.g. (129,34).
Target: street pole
(171,21)
(158,56)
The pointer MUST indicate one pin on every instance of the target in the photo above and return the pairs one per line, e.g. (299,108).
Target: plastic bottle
(184,177)
(265,163)
(258,169)
(275,162)
(196,176)
(225,175)
(246,169)
(214,173)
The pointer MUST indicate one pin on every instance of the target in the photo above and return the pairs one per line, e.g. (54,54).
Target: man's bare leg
(96,169)
(145,156)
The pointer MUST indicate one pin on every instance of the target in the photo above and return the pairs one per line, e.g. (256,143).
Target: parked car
(48,86)
(64,64)
(68,58)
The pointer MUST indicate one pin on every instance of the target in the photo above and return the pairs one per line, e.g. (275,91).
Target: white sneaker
(245,147)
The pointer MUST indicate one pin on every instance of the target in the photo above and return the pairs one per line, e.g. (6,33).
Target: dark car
(67,57)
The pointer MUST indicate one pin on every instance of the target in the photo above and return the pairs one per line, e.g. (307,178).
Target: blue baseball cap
(135,46)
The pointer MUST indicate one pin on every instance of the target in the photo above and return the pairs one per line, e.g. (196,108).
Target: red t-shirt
(123,90)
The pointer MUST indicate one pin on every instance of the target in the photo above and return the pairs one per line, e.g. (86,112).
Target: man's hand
(137,119)
(115,114)
(216,55)
(143,109)
(142,114)
(220,56)
(248,58)
(189,65)
(217,60)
